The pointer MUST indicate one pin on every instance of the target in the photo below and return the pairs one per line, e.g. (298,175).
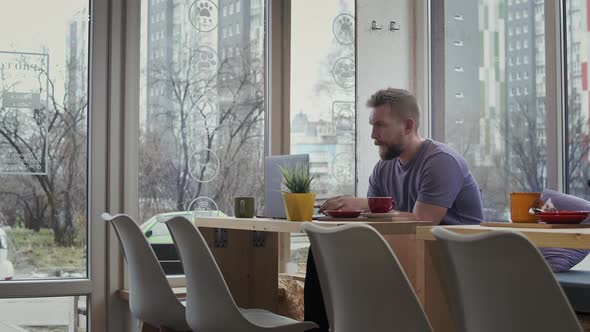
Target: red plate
(343,213)
(551,213)
(562,218)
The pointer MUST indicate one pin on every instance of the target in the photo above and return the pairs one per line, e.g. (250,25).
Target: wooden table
(247,252)
(432,285)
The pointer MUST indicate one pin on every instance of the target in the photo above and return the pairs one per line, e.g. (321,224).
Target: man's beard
(392,152)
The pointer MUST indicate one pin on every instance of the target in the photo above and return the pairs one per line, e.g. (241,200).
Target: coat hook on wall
(393,26)
(374,26)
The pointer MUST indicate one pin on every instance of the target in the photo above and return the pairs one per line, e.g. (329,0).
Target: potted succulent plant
(299,201)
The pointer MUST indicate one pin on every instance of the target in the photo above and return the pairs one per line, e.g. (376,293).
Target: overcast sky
(28,25)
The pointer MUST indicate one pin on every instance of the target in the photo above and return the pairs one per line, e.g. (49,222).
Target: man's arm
(425,212)
(422,211)
(355,203)
(429,212)
(442,181)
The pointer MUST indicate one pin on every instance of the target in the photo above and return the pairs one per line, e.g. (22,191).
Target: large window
(577,55)
(490,94)
(202,108)
(323,111)
(43,139)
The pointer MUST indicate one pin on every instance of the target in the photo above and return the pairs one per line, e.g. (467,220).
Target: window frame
(554,101)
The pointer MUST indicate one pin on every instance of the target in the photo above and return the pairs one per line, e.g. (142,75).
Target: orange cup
(521,203)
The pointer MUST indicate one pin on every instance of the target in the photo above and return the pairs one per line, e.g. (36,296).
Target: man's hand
(344,203)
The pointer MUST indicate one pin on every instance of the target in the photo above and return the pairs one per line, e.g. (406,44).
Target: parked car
(156,231)
(6,268)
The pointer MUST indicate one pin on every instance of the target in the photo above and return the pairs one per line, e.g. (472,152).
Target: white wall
(384,59)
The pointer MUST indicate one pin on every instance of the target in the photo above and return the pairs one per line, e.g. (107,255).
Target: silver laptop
(273,198)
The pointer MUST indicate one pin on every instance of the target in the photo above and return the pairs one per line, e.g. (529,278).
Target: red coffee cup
(380,204)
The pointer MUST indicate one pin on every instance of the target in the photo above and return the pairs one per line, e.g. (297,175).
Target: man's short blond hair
(400,101)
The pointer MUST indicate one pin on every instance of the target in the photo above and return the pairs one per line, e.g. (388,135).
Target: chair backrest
(210,305)
(150,296)
(363,285)
(498,281)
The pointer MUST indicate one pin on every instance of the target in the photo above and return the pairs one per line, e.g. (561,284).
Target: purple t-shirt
(437,175)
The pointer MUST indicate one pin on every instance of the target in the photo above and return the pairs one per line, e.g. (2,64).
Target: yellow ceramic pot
(299,207)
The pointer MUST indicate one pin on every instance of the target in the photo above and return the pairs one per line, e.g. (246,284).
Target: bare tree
(54,137)
(216,115)
(527,159)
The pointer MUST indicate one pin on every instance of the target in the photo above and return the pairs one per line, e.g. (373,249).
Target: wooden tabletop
(284,226)
(575,238)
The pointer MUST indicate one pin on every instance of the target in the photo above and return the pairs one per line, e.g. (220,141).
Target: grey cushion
(561,259)
(575,284)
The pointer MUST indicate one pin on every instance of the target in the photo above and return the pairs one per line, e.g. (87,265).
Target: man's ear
(409,125)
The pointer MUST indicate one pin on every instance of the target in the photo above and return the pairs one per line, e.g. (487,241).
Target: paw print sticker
(205,62)
(203,15)
(204,165)
(203,206)
(343,72)
(343,116)
(343,29)
(343,167)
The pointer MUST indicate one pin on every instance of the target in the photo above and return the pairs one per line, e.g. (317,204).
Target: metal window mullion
(423,65)
(437,72)
(97,170)
(555,94)
(123,144)
(278,64)
(278,69)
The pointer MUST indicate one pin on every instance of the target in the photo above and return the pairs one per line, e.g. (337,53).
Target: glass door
(44,165)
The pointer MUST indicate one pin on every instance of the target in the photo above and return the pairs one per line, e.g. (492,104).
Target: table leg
(432,289)
(405,248)
(251,272)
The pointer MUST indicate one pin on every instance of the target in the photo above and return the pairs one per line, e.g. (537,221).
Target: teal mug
(244,207)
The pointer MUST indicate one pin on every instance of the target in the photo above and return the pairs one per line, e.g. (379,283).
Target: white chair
(151,299)
(363,285)
(498,281)
(210,305)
